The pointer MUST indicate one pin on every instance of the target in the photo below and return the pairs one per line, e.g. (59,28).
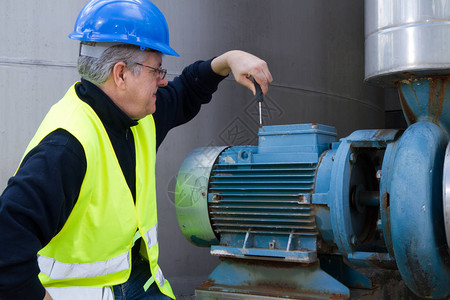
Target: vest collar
(108,112)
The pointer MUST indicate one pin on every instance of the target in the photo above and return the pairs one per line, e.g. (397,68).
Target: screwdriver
(259,98)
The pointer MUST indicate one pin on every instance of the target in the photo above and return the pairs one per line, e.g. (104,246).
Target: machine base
(388,285)
(249,279)
(205,294)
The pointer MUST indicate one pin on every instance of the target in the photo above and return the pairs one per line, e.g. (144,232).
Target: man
(80,211)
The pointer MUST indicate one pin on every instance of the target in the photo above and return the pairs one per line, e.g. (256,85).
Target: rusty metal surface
(373,138)
(388,286)
(416,217)
(267,280)
(225,293)
(373,260)
(426,99)
(410,116)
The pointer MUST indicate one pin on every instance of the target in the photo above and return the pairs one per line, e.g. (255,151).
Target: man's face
(141,96)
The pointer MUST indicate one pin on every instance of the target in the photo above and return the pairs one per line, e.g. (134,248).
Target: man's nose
(163,82)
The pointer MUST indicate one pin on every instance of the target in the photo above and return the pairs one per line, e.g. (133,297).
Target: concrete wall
(314,49)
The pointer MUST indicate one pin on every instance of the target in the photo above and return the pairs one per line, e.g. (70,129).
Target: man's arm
(181,100)
(34,207)
(243,65)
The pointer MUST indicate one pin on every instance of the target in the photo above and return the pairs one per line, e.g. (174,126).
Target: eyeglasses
(161,72)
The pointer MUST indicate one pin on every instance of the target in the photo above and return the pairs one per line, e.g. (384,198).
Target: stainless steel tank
(405,38)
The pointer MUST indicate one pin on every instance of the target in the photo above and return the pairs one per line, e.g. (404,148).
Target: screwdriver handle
(259,98)
(259,94)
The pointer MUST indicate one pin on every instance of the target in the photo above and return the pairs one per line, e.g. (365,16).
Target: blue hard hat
(137,22)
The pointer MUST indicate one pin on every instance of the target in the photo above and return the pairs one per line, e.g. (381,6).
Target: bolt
(302,199)
(378,174)
(352,158)
(272,244)
(353,240)
(244,155)
(379,225)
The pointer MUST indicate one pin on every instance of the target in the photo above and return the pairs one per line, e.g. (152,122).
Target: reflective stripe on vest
(81,293)
(152,239)
(160,277)
(152,236)
(58,270)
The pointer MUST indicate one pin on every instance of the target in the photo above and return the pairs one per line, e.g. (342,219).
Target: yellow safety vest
(92,252)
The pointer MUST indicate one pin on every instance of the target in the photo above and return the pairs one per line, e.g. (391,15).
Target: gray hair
(97,70)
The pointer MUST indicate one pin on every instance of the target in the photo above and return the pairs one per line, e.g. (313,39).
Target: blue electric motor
(293,216)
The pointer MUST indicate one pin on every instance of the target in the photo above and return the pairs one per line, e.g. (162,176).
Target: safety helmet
(137,22)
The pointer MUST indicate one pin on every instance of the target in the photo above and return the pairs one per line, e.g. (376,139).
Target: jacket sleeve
(181,99)
(33,208)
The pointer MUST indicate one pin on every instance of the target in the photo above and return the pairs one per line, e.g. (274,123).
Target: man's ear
(119,74)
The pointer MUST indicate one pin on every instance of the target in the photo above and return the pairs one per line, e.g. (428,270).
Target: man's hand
(243,65)
(47,296)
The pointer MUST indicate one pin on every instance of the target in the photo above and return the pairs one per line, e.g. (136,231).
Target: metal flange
(446,195)
(354,171)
